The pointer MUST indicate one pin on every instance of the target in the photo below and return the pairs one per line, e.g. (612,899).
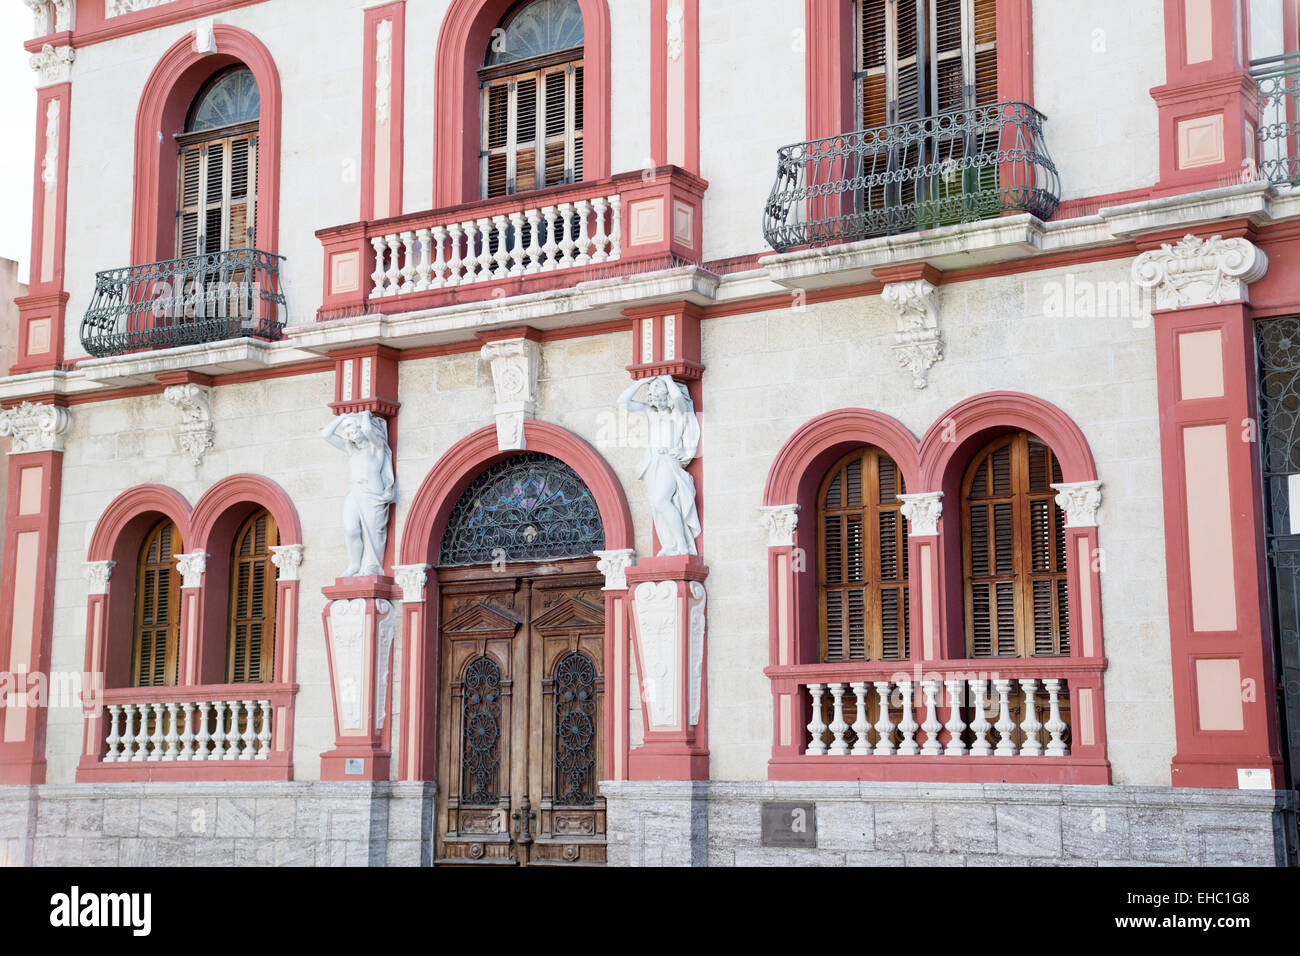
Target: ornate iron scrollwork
(481,732)
(575,730)
(529,507)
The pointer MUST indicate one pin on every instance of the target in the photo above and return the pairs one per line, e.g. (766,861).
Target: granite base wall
(902,824)
(199,824)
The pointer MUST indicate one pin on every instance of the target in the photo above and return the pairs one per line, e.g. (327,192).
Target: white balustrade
(981,698)
(568,235)
(180,731)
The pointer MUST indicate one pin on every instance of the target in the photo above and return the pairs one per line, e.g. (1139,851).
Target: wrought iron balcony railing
(959,166)
(205,298)
(1277,83)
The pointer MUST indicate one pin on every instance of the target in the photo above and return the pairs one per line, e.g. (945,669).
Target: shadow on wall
(10,289)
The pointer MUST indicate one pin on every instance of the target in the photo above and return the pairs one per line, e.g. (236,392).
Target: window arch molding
(165,102)
(462,43)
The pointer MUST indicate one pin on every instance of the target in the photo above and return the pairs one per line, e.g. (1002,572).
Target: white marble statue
(372,488)
(674,438)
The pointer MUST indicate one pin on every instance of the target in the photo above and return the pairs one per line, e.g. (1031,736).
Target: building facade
(469,431)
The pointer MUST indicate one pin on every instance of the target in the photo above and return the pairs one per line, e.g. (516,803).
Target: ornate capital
(1079,500)
(1198,271)
(191,566)
(287,559)
(411,579)
(514,364)
(780,522)
(919,341)
(922,512)
(97,575)
(614,565)
(197,431)
(35,427)
(53,64)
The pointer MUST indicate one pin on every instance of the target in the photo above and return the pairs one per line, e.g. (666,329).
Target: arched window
(250,646)
(1014,551)
(529,507)
(157,609)
(217,187)
(532,99)
(862,560)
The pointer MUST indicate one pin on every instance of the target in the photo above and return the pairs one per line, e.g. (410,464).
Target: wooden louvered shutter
(497,158)
(862,568)
(251,641)
(983,56)
(1014,554)
(157,609)
(217,195)
(532,130)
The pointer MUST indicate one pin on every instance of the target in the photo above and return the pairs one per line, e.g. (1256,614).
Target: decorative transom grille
(529,507)
(575,730)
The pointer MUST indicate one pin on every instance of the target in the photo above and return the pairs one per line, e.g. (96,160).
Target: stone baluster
(172,739)
(455,262)
(1055,725)
(423,252)
(980,726)
(438,271)
(551,248)
(410,256)
(377,277)
(219,730)
(884,726)
(1005,725)
(534,250)
(816,726)
(485,250)
(582,244)
(469,258)
(1030,726)
(931,726)
(250,731)
(566,235)
(955,725)
(615,227)
(141,736)
(187,734)
(600,235)
(114,733)
(156,738)
(516,244)
(861,726)
(907,726)
(394,273)
(232,735)
(838,745)
(502,257)
(204,736)
(264,731)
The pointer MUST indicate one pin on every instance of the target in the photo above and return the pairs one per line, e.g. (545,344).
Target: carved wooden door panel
(521,729)
(567,751)
(483,722)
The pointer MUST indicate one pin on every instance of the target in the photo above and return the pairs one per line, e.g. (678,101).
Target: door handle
(525,818)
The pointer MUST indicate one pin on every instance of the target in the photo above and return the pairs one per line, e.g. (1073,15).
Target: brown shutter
(190,195)
(862,560)
(251,641)
(157,617)
(1014,553)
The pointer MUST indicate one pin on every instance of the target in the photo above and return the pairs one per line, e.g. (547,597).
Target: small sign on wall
(789,824)
(353,766)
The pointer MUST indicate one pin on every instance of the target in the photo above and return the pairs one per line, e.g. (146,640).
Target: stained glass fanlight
(529,507)
(542,27)
(232,98)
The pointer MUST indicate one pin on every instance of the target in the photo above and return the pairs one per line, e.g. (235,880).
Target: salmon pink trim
(166,98)
(383,85)
(675,83)
(462,44)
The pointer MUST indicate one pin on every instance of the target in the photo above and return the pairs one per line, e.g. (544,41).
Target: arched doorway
(521,642)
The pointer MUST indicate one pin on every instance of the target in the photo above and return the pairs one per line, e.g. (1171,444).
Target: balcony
(197,299)
(552,238)
(953,167)
(1277,84)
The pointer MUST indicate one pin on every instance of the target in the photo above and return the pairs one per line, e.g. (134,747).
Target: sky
(17,132)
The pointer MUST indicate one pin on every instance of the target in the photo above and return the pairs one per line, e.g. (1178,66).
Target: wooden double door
(521,736)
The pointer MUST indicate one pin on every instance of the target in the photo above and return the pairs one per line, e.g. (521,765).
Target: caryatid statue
(674,439)
(371,490)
